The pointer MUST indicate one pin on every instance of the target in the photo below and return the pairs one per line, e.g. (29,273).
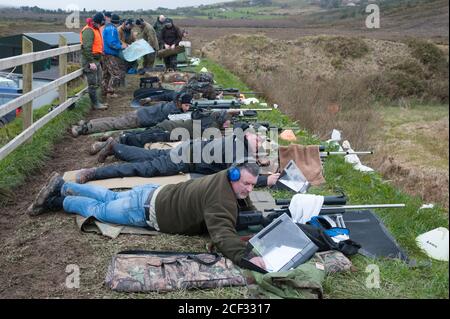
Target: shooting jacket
(203,205)
(171,35)
(91,44)
(126,36)
(111,41)
(149,35)
(158,26)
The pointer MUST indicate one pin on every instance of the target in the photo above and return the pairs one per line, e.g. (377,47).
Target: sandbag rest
(169,52)
(146,271)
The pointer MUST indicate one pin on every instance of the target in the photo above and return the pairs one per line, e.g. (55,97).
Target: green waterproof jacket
(86,48)
(149,35)
(303,282)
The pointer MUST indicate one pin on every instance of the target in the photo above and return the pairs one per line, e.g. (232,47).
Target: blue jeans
(124,208)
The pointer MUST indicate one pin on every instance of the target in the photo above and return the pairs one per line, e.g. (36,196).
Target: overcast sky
(109,4)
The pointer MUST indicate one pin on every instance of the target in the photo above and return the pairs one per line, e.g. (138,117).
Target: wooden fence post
(62,70)
(27,86)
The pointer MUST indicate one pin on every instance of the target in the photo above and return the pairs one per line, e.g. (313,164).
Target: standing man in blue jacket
(114,65)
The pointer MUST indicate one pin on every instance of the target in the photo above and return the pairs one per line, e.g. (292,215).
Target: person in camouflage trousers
(142,117)
(161,132)
(149,35)
(114,66)
(113,75)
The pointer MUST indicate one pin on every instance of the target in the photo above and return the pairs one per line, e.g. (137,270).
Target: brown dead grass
(322,105)
(412,151)
(323,85)
(430,184)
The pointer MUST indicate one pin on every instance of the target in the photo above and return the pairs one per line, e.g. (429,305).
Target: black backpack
(324,242)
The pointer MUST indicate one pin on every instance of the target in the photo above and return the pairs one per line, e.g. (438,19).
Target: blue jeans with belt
(124,208)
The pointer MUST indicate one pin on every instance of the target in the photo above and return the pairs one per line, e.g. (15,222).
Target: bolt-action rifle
(234,92)
(255,218)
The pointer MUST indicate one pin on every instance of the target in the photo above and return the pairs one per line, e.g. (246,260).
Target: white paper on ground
(279,256)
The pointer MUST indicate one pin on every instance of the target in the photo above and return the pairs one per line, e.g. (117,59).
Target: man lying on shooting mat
(205,205)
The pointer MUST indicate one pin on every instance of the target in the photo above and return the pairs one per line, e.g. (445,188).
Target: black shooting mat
(146,92)
(367,230)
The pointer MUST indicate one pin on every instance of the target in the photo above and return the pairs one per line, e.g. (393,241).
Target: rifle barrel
(325,208)
(327,200)
(346,153)
(238,110)
(245,93)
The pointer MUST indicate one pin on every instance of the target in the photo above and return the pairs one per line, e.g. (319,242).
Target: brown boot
(52,188)
(75,131)
(104,137)
(85,175)
(108,150)
(100,106)
(96,147)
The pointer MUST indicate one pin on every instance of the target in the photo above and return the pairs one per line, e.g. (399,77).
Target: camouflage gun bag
(145,271)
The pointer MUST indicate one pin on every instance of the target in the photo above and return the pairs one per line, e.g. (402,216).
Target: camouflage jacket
(149,35)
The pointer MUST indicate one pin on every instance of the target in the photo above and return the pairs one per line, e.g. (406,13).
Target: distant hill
(427,19)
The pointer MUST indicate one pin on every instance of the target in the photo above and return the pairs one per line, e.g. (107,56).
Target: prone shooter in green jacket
(205,205)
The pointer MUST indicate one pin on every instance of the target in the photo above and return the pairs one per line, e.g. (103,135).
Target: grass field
(52,241)
(411,148)
(416,126)
(398,280)
(30,156)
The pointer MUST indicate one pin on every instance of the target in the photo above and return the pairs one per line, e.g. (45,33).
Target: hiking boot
(52,188)
(76,131)
(54,203)
(108,150)
(104,137)
(99,106)
(97,147)
(145,101)
(85,175)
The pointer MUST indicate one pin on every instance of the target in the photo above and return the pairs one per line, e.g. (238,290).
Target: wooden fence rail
(26,99)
